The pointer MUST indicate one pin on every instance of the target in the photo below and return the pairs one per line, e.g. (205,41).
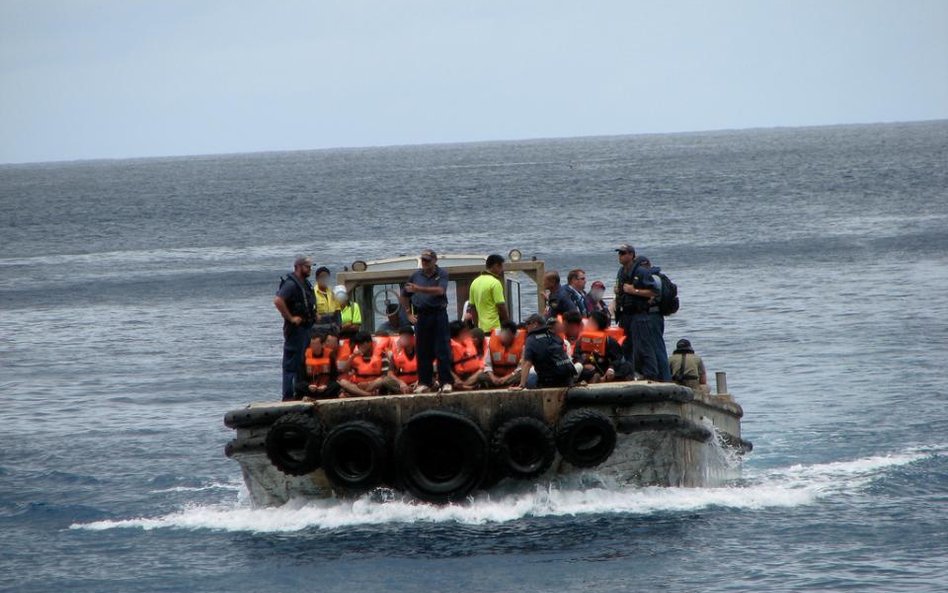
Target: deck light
(515,255)
(359,266)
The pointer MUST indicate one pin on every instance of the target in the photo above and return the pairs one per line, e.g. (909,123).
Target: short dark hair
(509,326)
(493,260)
(535,318)
(573,275)
(600,319)
(321,270)
(361,337)
(573,317)
(456,327)
(478,334)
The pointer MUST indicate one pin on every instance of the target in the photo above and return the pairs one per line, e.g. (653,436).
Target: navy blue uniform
(645,341)
(301,301)
(432,338)
(545,351)
(560,302)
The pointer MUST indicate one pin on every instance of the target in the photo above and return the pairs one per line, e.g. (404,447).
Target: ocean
(812,264)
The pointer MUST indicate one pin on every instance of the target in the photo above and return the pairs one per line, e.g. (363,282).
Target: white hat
(340,291)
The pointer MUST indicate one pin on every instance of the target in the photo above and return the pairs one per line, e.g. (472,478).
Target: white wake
(784,487)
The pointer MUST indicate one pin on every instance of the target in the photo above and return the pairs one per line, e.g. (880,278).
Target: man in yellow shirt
(326,305)
(350,314)
(487,296)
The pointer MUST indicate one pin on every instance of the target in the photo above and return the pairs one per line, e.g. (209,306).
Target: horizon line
(456,143)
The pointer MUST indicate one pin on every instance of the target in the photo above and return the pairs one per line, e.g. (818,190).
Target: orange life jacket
(318,367)
(406,368)
(505,360)
(383,343)
(592,342)
(615,332)
(342,357)
(466,360)
(367,370)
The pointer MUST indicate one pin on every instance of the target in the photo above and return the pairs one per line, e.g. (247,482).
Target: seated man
(368,369)
(467,366)
(545,352)
(600,354)
(404,363)
(395,320)
(504,355)
(595,302)
(687,368)
(319,380)
(572,327)
(350,314)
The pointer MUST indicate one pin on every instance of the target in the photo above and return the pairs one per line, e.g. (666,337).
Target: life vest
(466,360)
(617,333)
(318,368)
(382,343)
(505,360)
(342,358)
(406,368)
(592,342)
(367,370)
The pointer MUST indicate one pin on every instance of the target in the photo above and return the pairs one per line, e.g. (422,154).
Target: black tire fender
(585,437)
(294,442)
(440,456)
(523,448)
(355,455)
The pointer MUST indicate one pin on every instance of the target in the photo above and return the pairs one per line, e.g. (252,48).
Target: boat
(446,447)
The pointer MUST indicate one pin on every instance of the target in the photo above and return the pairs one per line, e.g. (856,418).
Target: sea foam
(781,487)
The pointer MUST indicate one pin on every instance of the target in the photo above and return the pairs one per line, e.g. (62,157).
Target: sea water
(136,309)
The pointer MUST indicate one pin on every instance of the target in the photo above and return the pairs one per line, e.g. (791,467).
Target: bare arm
(280,305)
(435,290)
(524,375)
(639,292)
(502,312)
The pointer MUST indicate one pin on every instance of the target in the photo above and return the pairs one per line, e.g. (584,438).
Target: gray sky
(119,78)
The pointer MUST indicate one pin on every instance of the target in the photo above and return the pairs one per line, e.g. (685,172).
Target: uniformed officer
(295,300)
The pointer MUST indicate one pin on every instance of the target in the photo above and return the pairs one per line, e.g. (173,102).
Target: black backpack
(668,303)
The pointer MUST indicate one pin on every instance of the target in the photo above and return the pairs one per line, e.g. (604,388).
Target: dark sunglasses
(427,260)
(623,253)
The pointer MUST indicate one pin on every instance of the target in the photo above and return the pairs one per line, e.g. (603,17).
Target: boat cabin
(375,285)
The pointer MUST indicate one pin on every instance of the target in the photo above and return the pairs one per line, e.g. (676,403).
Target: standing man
(487,295)
(427,293)
(295,302)
(576,287)
(558,299)
(634,297)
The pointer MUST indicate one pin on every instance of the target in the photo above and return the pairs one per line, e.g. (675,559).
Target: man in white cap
(350,314)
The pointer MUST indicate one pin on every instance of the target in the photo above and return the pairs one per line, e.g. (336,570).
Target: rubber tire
(523,448)
(585,437)
(294,442)
(440,456)
(355,455)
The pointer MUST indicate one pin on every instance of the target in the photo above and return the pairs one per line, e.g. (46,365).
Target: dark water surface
(135,309)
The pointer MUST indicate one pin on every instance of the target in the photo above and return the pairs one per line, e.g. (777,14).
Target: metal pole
(720,378)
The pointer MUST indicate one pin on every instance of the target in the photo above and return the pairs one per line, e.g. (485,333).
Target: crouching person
(468,362)
(368,370)
(320,370)
(504,355)
(404,364)
(545,352)
(599,354)
(687,368)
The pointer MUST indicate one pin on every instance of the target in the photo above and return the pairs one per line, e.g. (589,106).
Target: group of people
(327,354)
